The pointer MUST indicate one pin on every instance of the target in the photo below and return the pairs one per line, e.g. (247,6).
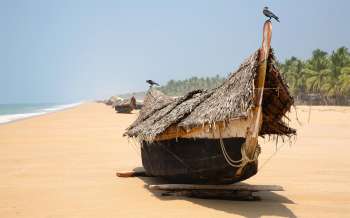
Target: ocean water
(12,112)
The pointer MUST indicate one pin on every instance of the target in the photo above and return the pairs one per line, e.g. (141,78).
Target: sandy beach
(63,164)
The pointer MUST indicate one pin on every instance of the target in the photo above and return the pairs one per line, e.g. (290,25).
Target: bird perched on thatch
(269,14)
(152,83)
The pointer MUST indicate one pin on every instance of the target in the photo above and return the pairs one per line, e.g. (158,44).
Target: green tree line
(322,79)
(180,87)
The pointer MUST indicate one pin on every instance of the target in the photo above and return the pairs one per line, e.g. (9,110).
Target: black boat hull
(197,160)
(123,108)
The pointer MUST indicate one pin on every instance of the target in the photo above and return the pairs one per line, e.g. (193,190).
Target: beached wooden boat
(125,105)
(112,100)
(139,105)
(211,136)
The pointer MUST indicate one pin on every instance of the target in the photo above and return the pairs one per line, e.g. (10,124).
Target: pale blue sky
(66,50)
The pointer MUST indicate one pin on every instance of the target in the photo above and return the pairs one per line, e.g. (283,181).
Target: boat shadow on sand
(270,203)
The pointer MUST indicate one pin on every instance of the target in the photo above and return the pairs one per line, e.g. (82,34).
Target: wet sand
(63,164)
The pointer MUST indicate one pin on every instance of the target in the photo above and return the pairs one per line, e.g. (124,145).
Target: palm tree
(344,80)
(294,75)
(317,72)
(318,61)
(339,59)
(332,88)
(336,85)
(315,80)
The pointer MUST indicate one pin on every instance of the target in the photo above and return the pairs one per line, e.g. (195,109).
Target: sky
(72,50)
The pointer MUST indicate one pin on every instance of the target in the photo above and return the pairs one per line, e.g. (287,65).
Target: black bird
(269,14)
(152,83)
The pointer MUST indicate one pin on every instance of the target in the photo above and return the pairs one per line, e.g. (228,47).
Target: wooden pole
(263,57)
(254,129)
(131,173)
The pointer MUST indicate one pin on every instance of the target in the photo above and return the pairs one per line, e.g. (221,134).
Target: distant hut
(139,104)
(125,105)
(112,100)
(210,136)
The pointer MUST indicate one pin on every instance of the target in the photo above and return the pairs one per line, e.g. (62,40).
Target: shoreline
(42,112)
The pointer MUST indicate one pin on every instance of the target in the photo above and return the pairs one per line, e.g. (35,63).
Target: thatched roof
(232,100)
(153,102)
(125,102)
(113,99)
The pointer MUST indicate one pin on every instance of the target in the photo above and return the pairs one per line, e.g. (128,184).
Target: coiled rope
(243,161)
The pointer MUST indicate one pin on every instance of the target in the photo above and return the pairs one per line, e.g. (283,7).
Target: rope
(271,156)
(231,162)
(308,119)
(296,115)
(134,146)
(277,89)
(237,163)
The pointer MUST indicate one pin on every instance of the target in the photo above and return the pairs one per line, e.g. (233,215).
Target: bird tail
(276,18)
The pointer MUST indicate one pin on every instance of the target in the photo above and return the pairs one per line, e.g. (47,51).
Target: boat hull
(123,108)
(186,160)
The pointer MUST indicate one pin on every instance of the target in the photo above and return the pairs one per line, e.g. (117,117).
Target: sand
(63,164)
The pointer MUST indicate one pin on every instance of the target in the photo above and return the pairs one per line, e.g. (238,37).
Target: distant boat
(125,105)
(112,100)
(211,136)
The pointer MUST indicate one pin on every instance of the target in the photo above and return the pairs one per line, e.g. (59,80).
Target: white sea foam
(12,117)
(61,107)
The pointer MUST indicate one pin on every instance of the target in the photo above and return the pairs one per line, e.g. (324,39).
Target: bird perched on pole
(151,83)
(269,14)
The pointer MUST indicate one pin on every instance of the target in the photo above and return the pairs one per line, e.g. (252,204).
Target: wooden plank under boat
(212,136)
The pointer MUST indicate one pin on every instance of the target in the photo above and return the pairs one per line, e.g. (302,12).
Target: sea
(12,112)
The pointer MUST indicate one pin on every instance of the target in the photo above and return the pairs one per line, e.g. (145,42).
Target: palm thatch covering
(112,100)
(230,101)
